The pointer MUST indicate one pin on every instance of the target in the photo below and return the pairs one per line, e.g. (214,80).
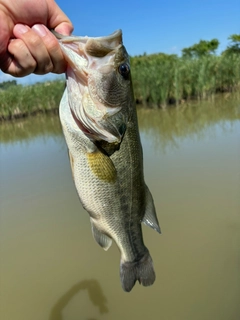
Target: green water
(50,266)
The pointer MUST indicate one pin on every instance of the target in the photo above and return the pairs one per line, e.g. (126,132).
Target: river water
(50,266)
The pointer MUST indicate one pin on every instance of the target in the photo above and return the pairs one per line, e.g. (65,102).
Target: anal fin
(102,239)
(150,218)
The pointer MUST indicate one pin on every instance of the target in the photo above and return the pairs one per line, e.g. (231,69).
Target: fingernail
(21,28)
(40,30)
(64,28)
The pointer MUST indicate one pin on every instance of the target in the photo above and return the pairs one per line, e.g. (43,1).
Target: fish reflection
(95,294)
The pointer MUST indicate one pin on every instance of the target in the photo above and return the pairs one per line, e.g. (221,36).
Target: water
(50,266)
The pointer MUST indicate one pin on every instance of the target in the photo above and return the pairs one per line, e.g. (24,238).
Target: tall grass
(162,79)
(158,80)
(19,101)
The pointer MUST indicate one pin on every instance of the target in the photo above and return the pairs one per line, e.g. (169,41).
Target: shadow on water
(95,294)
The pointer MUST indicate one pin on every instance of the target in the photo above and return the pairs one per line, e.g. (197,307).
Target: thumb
(58,20)
(64,28)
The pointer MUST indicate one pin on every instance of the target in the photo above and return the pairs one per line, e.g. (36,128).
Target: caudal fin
(141,270)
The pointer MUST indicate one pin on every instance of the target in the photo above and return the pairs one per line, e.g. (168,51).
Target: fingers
(58,20)
(64,28)
(22,63)
(5,34)
(50,59)
(25,50)
(35,50)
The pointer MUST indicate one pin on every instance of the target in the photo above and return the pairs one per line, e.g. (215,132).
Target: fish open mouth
(91,77)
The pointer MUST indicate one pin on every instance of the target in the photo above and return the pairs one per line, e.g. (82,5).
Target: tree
(203,48)
(234,46)
(6,84)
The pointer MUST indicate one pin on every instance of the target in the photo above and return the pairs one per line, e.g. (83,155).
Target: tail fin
(141,270)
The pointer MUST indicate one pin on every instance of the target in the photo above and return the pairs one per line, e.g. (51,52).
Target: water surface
(50,266)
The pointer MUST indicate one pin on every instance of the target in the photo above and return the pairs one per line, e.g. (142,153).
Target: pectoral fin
(150,218)
(102,239)
(102,166)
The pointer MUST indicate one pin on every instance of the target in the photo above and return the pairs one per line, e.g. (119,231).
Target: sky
(151,26)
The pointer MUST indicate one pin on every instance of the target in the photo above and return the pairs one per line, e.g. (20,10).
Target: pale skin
(26,44)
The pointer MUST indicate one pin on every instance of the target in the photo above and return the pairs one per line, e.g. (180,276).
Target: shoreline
(17,114)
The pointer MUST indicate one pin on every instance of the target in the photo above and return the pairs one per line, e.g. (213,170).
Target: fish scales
(105,151)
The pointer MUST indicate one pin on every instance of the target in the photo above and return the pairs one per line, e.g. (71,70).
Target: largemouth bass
(99,121)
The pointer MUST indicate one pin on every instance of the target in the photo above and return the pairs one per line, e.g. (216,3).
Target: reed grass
(162,79)
(158,80)
(18,101)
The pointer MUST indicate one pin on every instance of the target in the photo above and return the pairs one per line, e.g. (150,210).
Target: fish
(99,121)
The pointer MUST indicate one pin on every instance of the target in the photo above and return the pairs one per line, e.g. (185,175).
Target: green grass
(162,79)
(18,101)
(158,80)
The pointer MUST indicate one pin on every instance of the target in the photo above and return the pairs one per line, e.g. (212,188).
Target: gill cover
(98,85)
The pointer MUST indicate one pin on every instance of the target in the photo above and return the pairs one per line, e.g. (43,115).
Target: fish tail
(141,270)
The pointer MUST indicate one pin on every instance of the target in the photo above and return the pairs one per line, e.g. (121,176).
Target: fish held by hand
(99,121)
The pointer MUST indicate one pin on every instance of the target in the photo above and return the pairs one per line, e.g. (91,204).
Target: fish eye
(124,70)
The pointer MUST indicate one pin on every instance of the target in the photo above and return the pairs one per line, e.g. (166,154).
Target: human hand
(26,44)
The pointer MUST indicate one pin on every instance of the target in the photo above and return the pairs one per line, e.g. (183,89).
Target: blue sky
(152,26)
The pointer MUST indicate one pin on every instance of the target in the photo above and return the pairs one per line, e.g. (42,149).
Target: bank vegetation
(158,80)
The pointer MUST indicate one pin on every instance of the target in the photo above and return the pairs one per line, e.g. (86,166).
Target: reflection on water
(94,292)
(168,124)
(191,157)
(167,127)
(23,130)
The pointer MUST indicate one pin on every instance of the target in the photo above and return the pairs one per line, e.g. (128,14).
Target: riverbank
(189,118)
(158,81)
(19,101)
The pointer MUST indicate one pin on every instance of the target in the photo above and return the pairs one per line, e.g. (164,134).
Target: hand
(26,44)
